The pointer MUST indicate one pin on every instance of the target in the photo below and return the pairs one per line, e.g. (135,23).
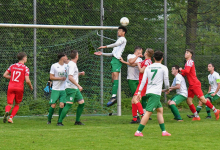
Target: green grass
(109,132)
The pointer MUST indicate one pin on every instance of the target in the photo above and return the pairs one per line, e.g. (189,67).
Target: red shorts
(195,90)
(143,92)
(14,94)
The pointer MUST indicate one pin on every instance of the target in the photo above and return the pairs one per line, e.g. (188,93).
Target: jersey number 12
(16,75)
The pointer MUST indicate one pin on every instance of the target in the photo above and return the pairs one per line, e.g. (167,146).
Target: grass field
(109,132)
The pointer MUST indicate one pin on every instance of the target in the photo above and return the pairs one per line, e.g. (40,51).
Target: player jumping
(118,49)
(17,73)
(195,86)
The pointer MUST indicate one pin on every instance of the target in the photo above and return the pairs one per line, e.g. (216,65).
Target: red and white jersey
(145,63)
(190,72)
(18,72)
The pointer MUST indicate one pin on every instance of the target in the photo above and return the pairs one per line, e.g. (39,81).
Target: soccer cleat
(112,101)
(208,117)
(60,124)
(138,134)
(190,116)
(10,120)
(133,122)
(150,118)
(48,122)
(217,114)
(196,119)
(5,117)
(138,119)
(79,123)
(166,133)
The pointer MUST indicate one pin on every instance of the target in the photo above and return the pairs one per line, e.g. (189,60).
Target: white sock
(164,131)
(113,95)
(196,114)
(138,131)
(144,111)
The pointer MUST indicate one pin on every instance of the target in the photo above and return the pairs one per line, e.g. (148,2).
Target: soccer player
(17,73)
(118,49)
(155,74)
(213,92)
(179,85)
(58,74)
(195,86)
(73,89)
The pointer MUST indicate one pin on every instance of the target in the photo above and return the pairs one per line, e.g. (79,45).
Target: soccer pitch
(109,132)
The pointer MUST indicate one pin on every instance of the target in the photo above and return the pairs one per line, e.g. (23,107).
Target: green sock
(79,111)
(141,127)
(144,102)
(162,127)
(60,110)
(175,112)
(115,87)
(172,111)
(198,108)
(208,111)
(64,112)
(51,110)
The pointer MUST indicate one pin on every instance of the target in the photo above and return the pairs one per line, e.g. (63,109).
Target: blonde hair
(150,52)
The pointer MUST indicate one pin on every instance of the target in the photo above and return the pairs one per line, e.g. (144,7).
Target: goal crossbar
(58,26)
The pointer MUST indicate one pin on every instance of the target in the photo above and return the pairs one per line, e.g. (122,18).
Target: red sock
(192,108)
(14,111)
(134,111)
(140,108)
(209,104)
(7,108)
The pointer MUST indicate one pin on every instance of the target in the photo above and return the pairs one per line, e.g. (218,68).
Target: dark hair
(176,67)
(60,55)
(212,64)
(158,55)
(191,51)
(21,55)
(150,52)
(73,54)
(137,48)
(123,28)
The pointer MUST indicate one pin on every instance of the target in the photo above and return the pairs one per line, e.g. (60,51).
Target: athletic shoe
(196,119)
(150,118)
(208,117)
(112,101)
(48,122)
(217,114)
(60,124)
(190,116)
(138,134)
(138,119)
(166,134)
(79,123)
(10,120)
(179,120)
(133,122)
(5,117)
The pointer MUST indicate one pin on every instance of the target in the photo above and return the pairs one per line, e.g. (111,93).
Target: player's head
(138,50)
(149,52)
(175,69)
(158,56)
(188,53)
(211,67)
(62,56)
(122,31)
(22,56)
(74,54)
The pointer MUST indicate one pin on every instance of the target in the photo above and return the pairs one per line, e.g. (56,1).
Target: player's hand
(98,53)
(139,64)
(213,94)
(121,59)
(180,69)
(101,47)
(82,73)
(139,97)
(63,78)
(80,88)
(31,88)
(140,55)
(167,92)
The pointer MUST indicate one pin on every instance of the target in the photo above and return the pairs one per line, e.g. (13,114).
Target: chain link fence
(191,24)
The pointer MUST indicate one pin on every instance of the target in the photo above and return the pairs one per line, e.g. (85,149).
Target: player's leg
(211,99)
(134,110)
(80,108)
(175,101)
(10,99)
(62,100)
(53,98)
(199,107)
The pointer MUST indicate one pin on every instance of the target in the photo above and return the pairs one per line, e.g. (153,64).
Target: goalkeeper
(118,48)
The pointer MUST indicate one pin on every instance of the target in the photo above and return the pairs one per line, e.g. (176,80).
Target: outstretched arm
(99,53)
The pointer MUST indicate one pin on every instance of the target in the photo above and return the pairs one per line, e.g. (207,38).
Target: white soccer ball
(124,21)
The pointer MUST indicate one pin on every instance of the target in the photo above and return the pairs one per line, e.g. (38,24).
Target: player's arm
(141,69)
(185,71)
(143,81)
(127,63)
(81,73)
(177,86)
(7,75)
(132,60)
(52,77)
(103,54)
(74,82)
(28,82)
(166,79)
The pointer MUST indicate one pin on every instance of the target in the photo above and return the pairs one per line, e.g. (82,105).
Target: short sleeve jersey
(18,72)
(133,72)
(72,70)
(214,79)
(58,71)
(183,89)
(145,63)
(156,74)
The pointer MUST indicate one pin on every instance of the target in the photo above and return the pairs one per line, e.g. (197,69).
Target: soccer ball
(124,21)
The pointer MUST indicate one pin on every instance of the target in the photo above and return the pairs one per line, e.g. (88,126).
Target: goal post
(55,48)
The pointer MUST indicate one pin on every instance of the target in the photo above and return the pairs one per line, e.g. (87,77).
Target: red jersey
(18,72)
(190,72)
(145,63)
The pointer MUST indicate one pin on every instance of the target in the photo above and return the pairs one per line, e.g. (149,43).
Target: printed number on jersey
(155,72)
(16,75)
